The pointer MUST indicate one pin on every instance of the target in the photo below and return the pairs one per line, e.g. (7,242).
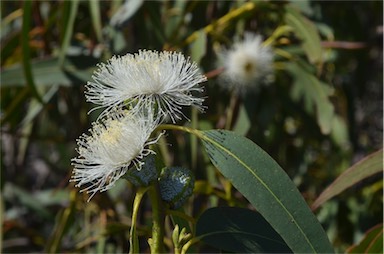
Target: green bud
(147,174)
(176,186)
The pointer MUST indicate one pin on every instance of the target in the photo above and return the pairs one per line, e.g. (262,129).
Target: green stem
(221,22)
(194,122)
(276,34)
(230,111)
(133,239)
(157,243)
(189,243)
(198,133)
(181,215)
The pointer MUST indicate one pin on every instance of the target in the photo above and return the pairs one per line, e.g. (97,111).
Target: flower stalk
(157,242)
(133,240)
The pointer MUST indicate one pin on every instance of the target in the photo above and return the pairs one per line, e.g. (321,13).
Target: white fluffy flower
(116,143)
(246,63)
(163,80)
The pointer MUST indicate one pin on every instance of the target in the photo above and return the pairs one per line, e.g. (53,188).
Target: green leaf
(238,230)
(307,32)
(26,53)
(35,108)
(64,221)
(268,188)
(50,197)
(68,31)
(26,199)
(199,46)
(368,166)
(339,132)
(371,243)
(243,123)
(303,5)
(174,22)
(94,7)
(47,72)
(315,95)
(125,12)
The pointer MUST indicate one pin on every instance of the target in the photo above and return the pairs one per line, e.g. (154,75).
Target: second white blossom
(246,64)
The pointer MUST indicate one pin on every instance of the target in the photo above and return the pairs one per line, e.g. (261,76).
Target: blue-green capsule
(147,174)
(176,186)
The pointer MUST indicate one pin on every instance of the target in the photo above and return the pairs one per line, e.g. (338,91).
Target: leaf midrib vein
(205,137)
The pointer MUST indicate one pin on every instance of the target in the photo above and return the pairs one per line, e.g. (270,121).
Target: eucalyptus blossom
(116,143)
(246,64)
(165,81)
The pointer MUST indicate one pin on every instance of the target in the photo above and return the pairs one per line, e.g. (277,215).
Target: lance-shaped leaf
(47,72)
(370,165)
(268,188)
(371,243)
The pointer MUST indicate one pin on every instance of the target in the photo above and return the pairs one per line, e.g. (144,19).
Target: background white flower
(117,142)
(164,80)
(246,64)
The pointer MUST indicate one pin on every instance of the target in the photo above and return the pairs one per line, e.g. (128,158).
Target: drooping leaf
(243,123)
(68,31)
(125,12)
(238,230)
(303,5)
(28,200)
(306,31)
(268,188)
(368,166)
(94,7)
(371,243)
(339,131)
(315,95)
(26,52)
(199,47)
(47,72)
(64,220)
(173,23)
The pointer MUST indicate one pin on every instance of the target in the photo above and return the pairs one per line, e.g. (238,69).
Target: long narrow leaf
(94,7)
(68,31)
(265,184)
(47,72)
(27,15)
(368,166)
(371,243)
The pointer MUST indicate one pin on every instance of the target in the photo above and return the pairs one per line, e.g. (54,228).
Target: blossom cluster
(137,92)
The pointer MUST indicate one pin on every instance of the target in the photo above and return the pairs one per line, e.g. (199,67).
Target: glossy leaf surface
(268,188)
